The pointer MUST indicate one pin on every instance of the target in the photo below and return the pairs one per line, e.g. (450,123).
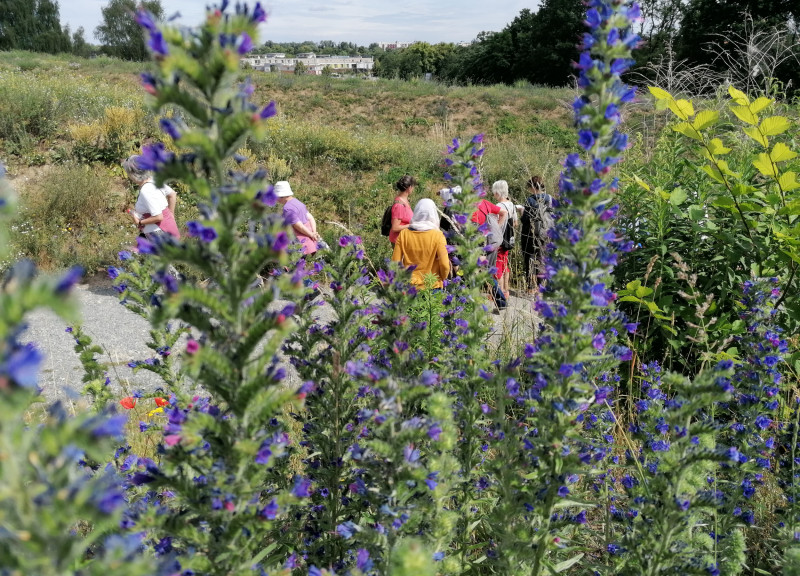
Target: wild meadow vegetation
(650,427)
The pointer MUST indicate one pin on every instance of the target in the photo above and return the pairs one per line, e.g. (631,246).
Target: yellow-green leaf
(781,152)
(686,129)
(677,197)
(745,115)
(775,125)
(643,291)
(756,135)
(738,96)
(704,119)
(724,202)
(714,173)
(759,104)
(641,182)
(717,148)
(742,189)
(764,165)
(683,109)
(659,93)
(788,181)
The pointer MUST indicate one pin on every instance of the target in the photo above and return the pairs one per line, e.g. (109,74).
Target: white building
(314,64)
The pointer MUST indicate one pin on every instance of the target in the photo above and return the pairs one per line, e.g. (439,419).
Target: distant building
(314,64)
(395,45)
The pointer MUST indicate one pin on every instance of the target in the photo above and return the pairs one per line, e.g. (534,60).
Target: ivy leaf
(781,152)
(745,115)
(775,125)
(788,181)
(738,96)
(659,93)
(759,104)
(764,165)
(704,119)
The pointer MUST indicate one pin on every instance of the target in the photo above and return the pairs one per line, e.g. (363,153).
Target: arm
(303,230)
(398,225)
(149,220)
(312,225)
(503,216)
(172,199)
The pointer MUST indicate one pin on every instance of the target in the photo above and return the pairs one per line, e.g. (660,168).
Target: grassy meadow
(65,123)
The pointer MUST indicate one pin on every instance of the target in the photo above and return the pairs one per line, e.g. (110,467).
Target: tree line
(542,46)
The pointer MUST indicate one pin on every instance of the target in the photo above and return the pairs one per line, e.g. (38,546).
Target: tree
(80,47)
(300,68)
(120,35)
(32,25)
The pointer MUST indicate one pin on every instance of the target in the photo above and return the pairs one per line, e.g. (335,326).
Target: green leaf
(567,564)
(704,119)
(764,165)
(633,286)
(756,135)
(717,148)
(788,182)
(696,213)
(738,96)
(759,104)
(687,130)
(677,197)
(641,182)
(775,125)
(643,291)
(745,115)
(659,93)
(781,153)
(723,202)
(742,189)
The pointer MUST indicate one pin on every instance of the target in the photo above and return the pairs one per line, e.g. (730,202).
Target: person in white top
(154,209)
(503,274)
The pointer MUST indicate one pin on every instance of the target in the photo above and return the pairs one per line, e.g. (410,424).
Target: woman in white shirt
(153,212)
(503,274)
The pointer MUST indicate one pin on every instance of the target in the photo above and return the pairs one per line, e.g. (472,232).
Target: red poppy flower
(128,402)
(160,402)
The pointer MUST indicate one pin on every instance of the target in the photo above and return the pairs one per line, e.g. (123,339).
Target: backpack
(386,221)
(495,236)
(540,218)
(509,241)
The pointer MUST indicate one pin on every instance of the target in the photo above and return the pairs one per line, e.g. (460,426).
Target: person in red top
(401,210)
(485,207)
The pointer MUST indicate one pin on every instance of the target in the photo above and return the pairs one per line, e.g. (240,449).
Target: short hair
(500,188)
(131,167)
(405,183)
(536,183)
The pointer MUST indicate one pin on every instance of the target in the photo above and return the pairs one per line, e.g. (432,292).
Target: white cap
(282,189)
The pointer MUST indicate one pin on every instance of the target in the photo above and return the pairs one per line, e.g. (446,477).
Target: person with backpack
(537,220)
(398,216)
(503,274)
(496,216)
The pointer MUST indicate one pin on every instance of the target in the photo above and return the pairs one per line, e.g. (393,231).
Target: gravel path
(123,334)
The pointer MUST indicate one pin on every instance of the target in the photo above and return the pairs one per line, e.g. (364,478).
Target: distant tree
(704,21)
(120,35)
(300,68)
(80,47)
(327,71)
(32,25)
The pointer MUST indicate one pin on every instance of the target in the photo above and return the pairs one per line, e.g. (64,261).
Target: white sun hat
(282,189)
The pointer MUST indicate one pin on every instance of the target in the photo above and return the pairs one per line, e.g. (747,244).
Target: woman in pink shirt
(401,210)
(296,215)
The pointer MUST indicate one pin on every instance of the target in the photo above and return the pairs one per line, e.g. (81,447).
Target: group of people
(418,235)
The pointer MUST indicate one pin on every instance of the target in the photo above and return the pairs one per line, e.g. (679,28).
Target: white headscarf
(426,217)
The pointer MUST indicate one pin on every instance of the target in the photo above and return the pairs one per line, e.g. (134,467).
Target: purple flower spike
(146,20)
(302,487)
(153,157)
(269,111)
(157,44)
(69,280)
(170,128)
(259,14)
(22,366)
(245,44)
(145,246)
(208,234)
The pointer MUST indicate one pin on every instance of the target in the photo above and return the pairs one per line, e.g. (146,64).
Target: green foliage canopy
(120,34)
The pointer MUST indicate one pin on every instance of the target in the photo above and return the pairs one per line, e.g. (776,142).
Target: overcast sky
(359,21)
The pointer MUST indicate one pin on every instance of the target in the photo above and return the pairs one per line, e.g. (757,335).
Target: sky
(359,21)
